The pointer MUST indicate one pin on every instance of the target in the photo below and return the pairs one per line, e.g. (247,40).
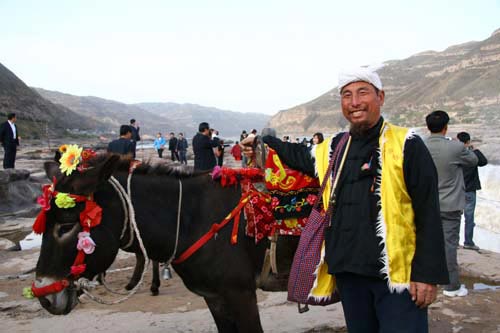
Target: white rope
(179,206)
(84,284)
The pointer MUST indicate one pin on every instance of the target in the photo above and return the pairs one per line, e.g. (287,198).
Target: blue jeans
(369,307)
(470,207)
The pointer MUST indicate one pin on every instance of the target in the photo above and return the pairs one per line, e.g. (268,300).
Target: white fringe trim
(381,228)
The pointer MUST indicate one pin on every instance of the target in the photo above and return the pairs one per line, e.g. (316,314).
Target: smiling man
(385,240)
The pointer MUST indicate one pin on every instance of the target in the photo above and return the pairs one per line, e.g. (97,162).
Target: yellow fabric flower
(70,159)
(63,200)
(63,148)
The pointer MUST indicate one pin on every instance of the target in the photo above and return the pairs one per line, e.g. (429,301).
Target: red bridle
(90,217)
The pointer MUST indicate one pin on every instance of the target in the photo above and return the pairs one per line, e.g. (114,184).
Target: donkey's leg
(139,266)
(244,310)
(222,317)
(155,284)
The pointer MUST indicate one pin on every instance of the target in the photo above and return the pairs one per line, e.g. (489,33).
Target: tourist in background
(159,144)
(123,145)
(9,138)
(203,145)
(317,138)
(182,146)
(236,151)
(172,146)
(472,184)
(244,158)
(134,126)
(449,156)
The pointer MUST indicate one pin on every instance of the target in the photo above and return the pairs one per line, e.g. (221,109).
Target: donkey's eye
(64,228)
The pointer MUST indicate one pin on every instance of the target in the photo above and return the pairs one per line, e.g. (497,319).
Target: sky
(248,56)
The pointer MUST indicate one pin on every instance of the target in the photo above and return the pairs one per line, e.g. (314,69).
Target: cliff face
(463,80)
(35,115)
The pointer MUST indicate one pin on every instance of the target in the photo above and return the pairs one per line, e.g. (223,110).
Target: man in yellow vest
(385,243)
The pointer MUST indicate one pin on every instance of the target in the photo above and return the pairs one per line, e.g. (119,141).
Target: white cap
(365,74)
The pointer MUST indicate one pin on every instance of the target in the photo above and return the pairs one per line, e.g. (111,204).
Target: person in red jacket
(236,151)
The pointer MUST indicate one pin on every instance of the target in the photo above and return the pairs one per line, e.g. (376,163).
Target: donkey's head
(79,232)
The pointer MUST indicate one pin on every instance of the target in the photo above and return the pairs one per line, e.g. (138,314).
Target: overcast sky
(249,56)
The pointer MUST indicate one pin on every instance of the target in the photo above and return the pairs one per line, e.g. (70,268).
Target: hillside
(188,116)
(111,113)
(463,80)
(37,116)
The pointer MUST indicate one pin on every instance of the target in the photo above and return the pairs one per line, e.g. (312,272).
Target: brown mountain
(37,117)
(463,80)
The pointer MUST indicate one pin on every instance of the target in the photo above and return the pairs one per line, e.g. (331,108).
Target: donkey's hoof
(129,286)
(154,291)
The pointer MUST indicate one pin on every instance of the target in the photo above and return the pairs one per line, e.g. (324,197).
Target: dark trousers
(451,231)
(160,152)
(369,306)
(9,157)
(174,155)
(182,156)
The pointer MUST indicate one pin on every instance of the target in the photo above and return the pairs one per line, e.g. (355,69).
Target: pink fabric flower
(85,243)
(311,198)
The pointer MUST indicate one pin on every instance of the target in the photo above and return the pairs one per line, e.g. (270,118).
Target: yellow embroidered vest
(395,223)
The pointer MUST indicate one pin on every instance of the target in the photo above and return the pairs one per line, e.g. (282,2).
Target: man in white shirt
(9,138)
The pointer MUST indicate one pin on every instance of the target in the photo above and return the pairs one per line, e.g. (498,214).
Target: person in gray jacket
(449,156)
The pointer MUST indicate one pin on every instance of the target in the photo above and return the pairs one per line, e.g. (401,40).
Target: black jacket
(135,133)
(471,174)
(172,143)
(351,241)
(121,146)
(204,157)
(7,135)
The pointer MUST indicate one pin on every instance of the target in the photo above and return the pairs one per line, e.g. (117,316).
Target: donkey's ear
(52,170)
(57,156)
(106,169)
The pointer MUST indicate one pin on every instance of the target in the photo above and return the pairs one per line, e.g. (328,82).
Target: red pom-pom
(39,225)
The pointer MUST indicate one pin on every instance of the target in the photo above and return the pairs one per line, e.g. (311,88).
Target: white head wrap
(365,74)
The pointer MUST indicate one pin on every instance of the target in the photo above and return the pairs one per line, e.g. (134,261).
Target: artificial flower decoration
(63,148)
(64,200)
(87,154)
(70,159)
(85,243)
(28,293)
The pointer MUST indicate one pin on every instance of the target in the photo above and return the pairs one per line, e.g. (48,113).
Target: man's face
(361,104)
(128,135)
(13,120)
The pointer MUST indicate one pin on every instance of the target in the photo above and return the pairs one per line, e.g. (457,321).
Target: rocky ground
(178,310)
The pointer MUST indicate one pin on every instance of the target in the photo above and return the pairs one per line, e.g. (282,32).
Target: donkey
(224,274)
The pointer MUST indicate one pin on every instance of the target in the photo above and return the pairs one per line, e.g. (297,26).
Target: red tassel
(39,225)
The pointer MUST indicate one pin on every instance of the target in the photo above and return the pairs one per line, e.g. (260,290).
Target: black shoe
(471,247)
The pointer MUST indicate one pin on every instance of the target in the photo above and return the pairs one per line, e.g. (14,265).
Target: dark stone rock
(17,174)
(4,177)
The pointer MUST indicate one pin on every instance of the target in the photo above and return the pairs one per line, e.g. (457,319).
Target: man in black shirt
(472,184)
(172,146)
(385,241)
(203,145)
(124,144)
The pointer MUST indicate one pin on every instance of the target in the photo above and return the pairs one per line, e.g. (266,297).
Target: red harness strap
(235,214)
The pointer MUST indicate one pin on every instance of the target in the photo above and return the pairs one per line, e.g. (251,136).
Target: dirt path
(178,310)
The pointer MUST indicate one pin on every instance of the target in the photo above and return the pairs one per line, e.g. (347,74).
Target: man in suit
(449,156)
(9,138)
(203,145)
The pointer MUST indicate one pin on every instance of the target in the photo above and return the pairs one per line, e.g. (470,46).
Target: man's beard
(359,129)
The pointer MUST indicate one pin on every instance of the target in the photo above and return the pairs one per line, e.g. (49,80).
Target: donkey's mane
(147,167)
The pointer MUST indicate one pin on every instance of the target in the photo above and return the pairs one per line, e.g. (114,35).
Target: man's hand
(423,294)
(247,145)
